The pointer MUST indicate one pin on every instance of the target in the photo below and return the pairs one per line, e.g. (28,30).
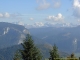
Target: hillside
(8,53)
(66,38)
(11,34)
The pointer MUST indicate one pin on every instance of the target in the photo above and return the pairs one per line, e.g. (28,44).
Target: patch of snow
(6,30)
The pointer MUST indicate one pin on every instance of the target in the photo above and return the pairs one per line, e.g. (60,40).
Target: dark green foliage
(17,56)
(54,53)
(30,52)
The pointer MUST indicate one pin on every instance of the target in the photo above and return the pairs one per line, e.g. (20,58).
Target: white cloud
(1,15)
(78,20)
(38,24)
(35,25)
(76,8)
(20,23)
(57,18)
(42,4)
(22,37)
(56,4)
(76,4)
(31,19)
(4,15)
(7,15)
(15,16)
(66,24)
(49,24)
(57,24)
(37,1)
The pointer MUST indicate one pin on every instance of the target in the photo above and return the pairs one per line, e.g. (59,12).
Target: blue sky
(40,12)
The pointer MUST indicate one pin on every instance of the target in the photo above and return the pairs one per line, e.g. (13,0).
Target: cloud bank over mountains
(4,15)
(47,24)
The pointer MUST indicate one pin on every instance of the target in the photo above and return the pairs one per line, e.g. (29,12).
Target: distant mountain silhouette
(11,34)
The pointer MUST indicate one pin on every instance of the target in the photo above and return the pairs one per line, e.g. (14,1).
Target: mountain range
(67,39)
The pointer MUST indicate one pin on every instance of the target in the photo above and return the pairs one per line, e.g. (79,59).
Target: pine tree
(30,51)
(54,53)
(17,56)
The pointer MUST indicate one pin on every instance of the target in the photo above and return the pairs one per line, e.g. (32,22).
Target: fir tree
(30,51)
(54,53)
(17,56)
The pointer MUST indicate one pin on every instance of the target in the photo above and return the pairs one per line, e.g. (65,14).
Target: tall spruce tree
(54,53)
(30,51)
